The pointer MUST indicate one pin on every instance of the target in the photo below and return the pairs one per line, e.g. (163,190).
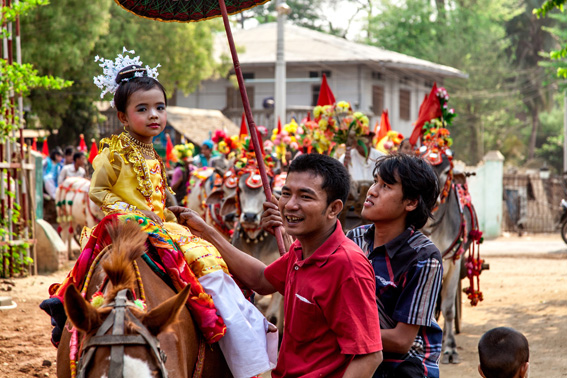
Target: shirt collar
(393,245)
(325,250)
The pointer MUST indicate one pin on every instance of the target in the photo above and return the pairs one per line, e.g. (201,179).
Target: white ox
(75,208)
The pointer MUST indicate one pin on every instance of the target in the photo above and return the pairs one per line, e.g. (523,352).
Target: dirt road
(525,288)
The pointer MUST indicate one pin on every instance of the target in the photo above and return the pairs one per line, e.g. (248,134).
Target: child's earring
(125,129)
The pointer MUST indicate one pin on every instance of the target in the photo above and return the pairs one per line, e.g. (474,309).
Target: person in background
(202,160)
(360,159)
(68,157)
(406,147)
(50,165)
(77,169)
(504,353)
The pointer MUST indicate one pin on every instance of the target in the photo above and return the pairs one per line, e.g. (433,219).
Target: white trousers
(247,347)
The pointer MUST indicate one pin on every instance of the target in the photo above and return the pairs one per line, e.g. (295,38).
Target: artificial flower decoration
(390,143)
(184,151)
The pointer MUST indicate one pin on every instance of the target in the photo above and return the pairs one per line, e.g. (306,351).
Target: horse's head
(120,337)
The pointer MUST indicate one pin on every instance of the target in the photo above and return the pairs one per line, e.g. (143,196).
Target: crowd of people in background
(60,165)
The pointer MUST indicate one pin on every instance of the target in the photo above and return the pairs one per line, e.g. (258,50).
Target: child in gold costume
(129,177)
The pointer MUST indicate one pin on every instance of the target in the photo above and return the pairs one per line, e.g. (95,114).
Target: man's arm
(363,365)
(399,339)
(249,270)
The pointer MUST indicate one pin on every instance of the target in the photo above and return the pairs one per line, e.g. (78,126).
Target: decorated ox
(201,184)
(221,205)
(251,238)
(453,228)
(74,207)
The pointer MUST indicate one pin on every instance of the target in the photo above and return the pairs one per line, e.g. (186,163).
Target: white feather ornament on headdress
(110,69)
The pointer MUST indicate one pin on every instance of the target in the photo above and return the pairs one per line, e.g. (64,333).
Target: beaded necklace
(147,148)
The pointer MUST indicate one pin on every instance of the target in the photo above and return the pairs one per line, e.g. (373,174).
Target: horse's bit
(117,340)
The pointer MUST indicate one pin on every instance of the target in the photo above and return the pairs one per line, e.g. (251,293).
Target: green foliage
(19,79)
(548,6)
(551,139)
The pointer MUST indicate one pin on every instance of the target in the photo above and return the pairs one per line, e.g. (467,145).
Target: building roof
(197,124)
(304,46)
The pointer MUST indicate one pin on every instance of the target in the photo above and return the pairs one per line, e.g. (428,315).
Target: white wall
(351,83)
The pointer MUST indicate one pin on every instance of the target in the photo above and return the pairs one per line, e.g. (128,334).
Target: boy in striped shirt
(407,265)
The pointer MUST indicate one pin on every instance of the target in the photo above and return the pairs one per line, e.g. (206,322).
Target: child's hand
(191,219)
(271,217)
(153,216)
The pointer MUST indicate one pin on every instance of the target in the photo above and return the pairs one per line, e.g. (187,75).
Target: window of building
(377,99)
(313,74)
(376,75)
(405,104)
(234,99)
(315,89)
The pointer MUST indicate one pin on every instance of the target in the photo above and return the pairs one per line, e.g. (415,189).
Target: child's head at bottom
(504,353)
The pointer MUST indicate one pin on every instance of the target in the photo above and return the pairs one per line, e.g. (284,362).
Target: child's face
(384,202)
(145,115)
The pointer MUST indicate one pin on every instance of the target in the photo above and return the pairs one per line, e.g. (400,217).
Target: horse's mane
(128,243)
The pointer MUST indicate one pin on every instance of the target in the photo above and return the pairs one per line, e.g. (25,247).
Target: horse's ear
(159,318)
(80,312)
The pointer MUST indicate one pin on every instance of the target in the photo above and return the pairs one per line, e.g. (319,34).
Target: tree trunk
(533,136)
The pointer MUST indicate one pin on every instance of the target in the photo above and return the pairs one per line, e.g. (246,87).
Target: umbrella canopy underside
(184,10)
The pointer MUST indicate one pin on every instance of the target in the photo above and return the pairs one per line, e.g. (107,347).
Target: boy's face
(303,205)
(384,202)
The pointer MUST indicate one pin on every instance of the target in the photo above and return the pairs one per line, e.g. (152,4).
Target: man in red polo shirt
(331,318)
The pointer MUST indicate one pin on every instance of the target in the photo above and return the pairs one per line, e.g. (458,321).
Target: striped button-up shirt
(408,273)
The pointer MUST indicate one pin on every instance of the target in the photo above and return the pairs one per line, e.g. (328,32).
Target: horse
(75,208)
(120,338)
(450,230)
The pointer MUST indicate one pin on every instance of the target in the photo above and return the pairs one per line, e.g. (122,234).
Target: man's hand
(191,219)
(271,217)
(153,216)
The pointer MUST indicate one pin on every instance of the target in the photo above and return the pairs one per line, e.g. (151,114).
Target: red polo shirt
(330,308)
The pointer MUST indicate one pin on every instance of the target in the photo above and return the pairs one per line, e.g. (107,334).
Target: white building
(370,78)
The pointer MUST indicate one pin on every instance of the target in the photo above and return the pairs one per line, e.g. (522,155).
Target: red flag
(93,152)
(168,150)
(34,144)
(326,96)
(45,148)
(243,128)
(384,126)
(279,125)
(429,109)
(82,144)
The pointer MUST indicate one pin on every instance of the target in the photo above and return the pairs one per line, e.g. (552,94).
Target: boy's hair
(418,181)
(502,352)
(77,155)
(336,181)
(69,150)
(54,152)
(134,84)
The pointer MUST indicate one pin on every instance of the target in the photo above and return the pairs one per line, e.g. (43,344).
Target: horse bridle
(117,340)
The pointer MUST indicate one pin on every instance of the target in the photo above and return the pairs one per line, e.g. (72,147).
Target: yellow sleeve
(169,216)
(106,172)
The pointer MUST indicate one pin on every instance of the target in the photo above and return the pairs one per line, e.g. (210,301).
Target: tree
(529,39)
(457,34)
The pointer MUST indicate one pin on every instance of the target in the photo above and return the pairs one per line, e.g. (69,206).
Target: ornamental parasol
(198,10)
